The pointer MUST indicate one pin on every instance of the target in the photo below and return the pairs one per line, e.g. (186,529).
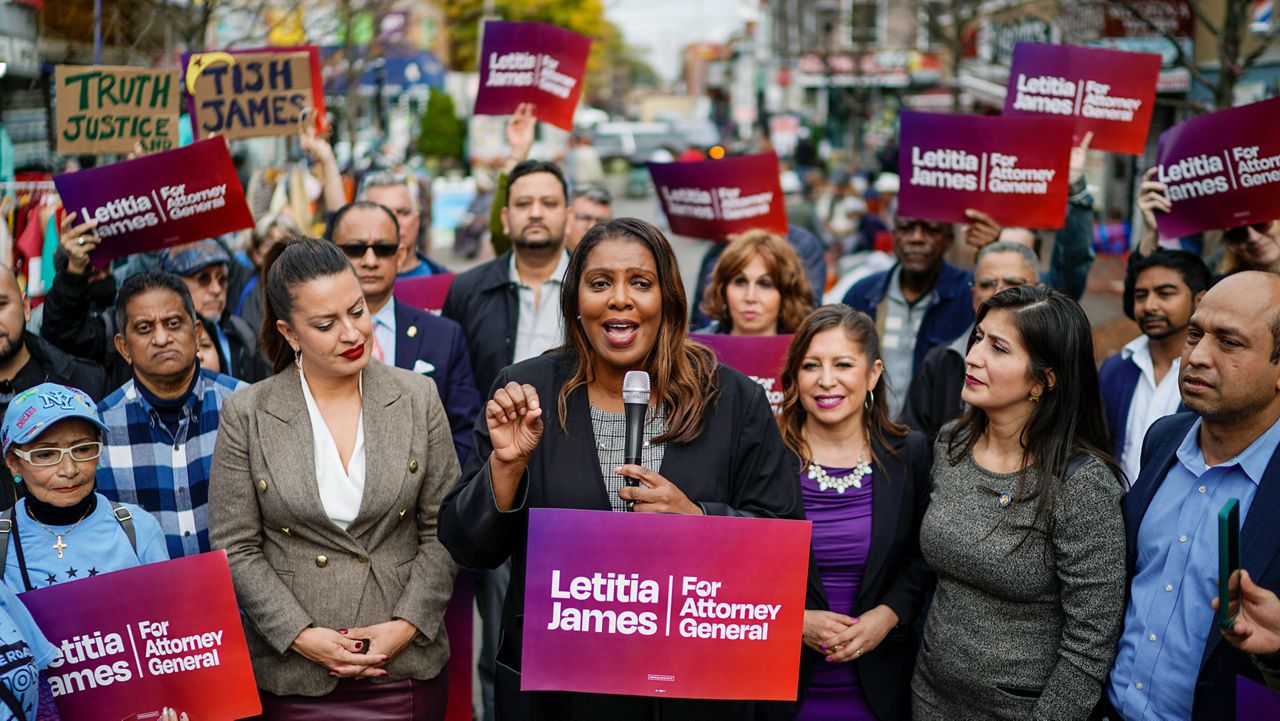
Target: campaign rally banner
(1108,92)
(759,357)
(1221,170)
(1255,702)
(108,109)
(254,93)
(427,293)
(156,201)
(132,642)
(1013,169)
(532,63)
(712,199)
(664,605)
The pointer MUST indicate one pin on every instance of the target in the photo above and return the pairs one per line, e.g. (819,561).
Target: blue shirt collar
(387,316)
(1252,460)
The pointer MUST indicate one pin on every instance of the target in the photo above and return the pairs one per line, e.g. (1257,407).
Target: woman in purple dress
(865,483)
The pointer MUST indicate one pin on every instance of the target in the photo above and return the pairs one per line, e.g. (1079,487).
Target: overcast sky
(664,27)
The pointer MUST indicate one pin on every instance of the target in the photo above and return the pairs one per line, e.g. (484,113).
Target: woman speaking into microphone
(552,436)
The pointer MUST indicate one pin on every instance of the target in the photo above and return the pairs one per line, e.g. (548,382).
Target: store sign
(18,49)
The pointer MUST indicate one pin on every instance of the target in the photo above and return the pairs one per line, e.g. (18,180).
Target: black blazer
(736,467)
(439,345)
(485,303)
(1215,697)
(896,575)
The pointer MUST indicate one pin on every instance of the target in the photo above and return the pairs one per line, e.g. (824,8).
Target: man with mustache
(1140,383)
(509,310)
(1172,663)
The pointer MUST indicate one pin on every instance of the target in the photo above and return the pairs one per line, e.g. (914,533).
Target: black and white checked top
(610,431)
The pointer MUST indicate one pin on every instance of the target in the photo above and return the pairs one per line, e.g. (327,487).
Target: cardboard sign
(254,93)
(532,63)
(1013,169)
(1108,92)
(1221,170)
(135,641)
(685,618)
(1255,702)
(426,293)
(107,109)
(156,201)
(759,357)
(713,199)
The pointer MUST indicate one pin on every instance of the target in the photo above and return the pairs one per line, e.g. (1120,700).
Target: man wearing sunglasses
(921,302)
(404,336)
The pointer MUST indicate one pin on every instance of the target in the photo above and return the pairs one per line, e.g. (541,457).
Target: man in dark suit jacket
(1172,663)
(405,336)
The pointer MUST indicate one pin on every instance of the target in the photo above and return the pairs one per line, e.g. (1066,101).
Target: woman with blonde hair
(758,287)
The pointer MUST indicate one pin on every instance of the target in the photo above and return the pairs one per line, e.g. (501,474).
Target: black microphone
(635,401)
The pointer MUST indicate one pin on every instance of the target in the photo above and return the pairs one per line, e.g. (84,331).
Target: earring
(1034,395)
(871,399)
(17,479)
(297,358)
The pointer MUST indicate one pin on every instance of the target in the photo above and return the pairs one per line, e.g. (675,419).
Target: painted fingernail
(342,630)
(828,659)
(824,647)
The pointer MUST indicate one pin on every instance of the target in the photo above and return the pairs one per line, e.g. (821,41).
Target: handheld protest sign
(426,293)
(159,200)
(759,357)
(110,109)
(1110,93)
(133,642)
(712,199)
(253,93)
(534,63)
(1221,170)
(1013,169)
(686,618)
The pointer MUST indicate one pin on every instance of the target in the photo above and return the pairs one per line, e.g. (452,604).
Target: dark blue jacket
(1215,695)
(1118,377)
(947,319)
(440,346)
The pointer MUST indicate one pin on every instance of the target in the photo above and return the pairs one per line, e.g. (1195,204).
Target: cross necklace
(59,546)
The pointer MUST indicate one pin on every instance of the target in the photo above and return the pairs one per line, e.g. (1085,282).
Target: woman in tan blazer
(342,581)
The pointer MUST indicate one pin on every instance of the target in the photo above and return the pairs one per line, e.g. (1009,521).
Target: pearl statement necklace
(840,484)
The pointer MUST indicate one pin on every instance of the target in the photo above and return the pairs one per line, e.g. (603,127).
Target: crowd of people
(1001,529)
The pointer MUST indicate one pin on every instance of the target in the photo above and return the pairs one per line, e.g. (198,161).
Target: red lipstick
(354,353)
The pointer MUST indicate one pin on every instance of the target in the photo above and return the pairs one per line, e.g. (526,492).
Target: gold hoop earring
(297,359)
(871,399)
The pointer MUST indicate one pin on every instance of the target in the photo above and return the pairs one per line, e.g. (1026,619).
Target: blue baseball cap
(35,410)
(194,257)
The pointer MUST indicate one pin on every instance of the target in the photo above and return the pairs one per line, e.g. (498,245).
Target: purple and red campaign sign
(132,642)
(759,357)
(1108,92)
(686,612)
(1255,702)
(532,63)
(1221,170)
(156,201)
(712,199)
(427,293)
(1013,169)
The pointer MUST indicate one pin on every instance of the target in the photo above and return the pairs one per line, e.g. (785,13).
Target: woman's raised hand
(514,417)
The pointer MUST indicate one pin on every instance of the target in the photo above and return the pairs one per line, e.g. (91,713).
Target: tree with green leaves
(440,134)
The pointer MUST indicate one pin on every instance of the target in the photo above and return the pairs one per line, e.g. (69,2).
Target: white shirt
(384,331)
(538,325)
(340,491)
(1151,402)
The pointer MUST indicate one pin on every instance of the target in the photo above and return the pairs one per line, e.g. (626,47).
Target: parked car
(634,142)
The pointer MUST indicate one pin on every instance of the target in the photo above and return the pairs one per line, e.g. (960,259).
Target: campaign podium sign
(712,199)
(664,605)
(759,357)
(157,201)
(133,642)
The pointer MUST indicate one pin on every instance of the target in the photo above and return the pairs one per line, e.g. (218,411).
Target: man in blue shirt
(163,422)
(1172,664)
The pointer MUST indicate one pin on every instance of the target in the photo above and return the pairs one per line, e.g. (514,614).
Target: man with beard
(1172,663)
(26,360)
(509,309)
(1140,383)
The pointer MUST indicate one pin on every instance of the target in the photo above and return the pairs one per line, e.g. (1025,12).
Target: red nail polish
(342,631)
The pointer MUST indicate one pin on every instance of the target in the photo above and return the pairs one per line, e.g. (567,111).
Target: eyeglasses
(1241,234)
(594,220)
(53,456)
(355,251)
(999,284)
(206,278)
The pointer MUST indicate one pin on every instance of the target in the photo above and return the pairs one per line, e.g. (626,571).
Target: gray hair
(389,179)
(1008,246)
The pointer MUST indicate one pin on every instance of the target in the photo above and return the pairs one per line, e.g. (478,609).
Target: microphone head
(635,387)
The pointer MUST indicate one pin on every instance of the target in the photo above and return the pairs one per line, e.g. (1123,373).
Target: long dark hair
(683,372)
(860,329)
(285,267)
(1067,421)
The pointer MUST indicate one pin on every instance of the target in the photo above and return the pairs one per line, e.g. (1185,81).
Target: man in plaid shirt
(163,422)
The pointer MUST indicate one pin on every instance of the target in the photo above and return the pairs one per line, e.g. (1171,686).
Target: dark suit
(485,303)
(1215,696)
(737,466)
(439,343)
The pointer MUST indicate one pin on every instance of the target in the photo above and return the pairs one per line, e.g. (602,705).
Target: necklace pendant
(59,546)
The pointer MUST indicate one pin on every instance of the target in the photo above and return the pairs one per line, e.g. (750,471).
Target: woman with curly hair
(758,287)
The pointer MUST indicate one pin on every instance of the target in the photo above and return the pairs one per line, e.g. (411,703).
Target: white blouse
(340,492)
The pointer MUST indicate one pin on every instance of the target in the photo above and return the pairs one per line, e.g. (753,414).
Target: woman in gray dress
(1024,527)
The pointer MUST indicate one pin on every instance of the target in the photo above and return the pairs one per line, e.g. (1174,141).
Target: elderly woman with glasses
(63,530)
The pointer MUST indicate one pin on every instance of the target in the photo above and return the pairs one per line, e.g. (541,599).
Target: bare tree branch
(1264,44)
(1183,60)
